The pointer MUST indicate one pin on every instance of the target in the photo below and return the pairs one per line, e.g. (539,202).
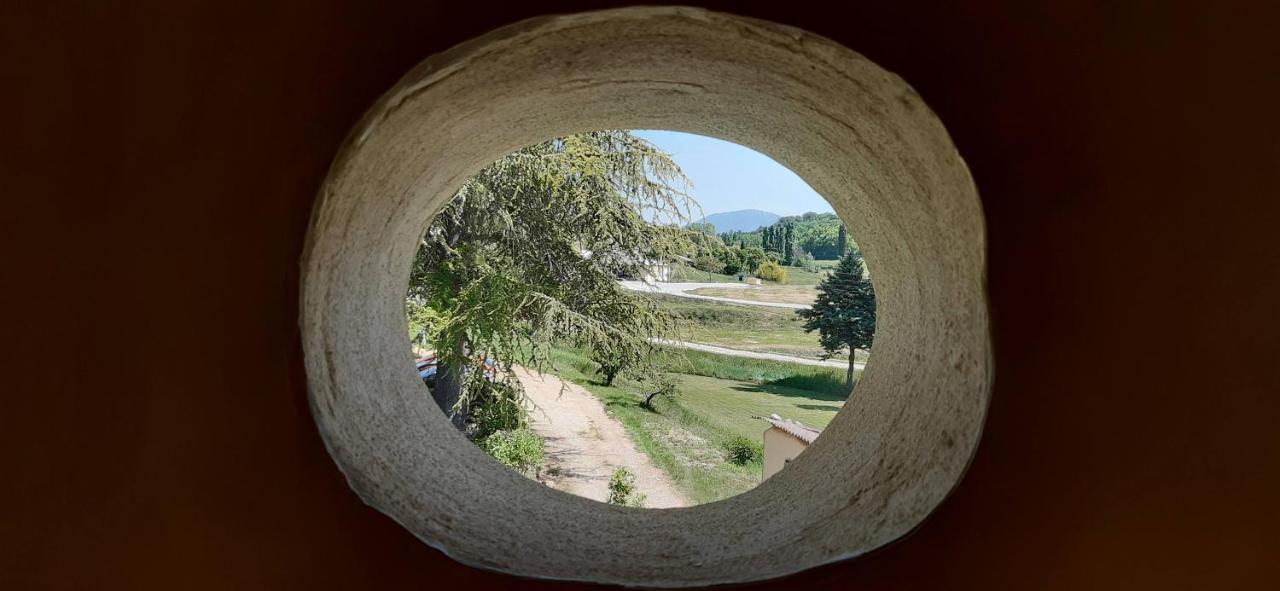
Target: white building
(783,441)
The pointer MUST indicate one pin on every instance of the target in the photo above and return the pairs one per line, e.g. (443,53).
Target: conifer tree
(844,313)
(526,256)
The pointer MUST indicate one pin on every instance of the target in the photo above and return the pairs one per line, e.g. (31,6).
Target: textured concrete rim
(858,134)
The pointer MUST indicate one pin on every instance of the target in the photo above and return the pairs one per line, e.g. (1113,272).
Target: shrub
(622,489)
(521,449)
(732,268)
(496,407)
(771,271)
(743,451)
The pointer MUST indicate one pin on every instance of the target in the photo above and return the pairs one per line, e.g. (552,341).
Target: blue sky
(728,177)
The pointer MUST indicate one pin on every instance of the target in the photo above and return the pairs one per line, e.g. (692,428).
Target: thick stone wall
(159,167)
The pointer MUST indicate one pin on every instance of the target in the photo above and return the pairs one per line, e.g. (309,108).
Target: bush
(771,271)
(622,489)
(496,408)
(743,451)
(521,449)
(732,268)
(709,264)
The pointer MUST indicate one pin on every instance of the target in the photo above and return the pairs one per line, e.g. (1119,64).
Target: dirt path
(584,444)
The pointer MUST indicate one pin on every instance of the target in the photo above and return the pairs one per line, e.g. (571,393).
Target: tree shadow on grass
(830,407)
(791,392)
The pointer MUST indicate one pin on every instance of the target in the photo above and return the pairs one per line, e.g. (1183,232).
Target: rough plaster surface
(858,134)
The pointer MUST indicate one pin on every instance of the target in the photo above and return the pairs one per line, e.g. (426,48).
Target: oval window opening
(858,136)
(616,315)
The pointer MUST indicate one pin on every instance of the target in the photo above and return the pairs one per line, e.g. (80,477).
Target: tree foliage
(526,253)
(742,451)
(703,227)
(709,264)
(815,233)
(771,271)
(844,313)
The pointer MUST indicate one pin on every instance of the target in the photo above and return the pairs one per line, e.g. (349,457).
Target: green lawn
(798,276)
(686,435)
(825,382)
(684,273)
(731,405)
(743,326)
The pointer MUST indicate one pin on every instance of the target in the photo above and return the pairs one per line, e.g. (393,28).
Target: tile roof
(793,428)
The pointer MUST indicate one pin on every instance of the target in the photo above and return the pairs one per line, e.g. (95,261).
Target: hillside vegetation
(691,435)
(814,233)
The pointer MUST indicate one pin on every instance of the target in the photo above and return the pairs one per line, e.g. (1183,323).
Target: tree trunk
(848,376)
(448,389)
(648,401)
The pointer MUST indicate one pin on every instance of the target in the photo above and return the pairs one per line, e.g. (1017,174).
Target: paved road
(755,354)
(584,444)
(682,289)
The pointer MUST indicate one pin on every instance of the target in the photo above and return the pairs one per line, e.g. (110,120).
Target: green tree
(706,245)
(815,233)
(526,253)
(703,227)
(708,264)
(733,262)
(842,242)
(752,256)
(844,313)
(789,243)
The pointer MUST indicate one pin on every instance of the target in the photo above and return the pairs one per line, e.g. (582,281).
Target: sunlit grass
(717,397)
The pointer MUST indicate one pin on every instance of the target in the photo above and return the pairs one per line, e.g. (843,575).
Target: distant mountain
(742,220)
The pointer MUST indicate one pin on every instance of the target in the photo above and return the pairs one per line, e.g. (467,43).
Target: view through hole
(858,134)
(644,318)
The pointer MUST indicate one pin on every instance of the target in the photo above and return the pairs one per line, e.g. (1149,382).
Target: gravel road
(682,289)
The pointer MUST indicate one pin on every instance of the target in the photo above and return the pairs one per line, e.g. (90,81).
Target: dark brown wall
(159,163)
